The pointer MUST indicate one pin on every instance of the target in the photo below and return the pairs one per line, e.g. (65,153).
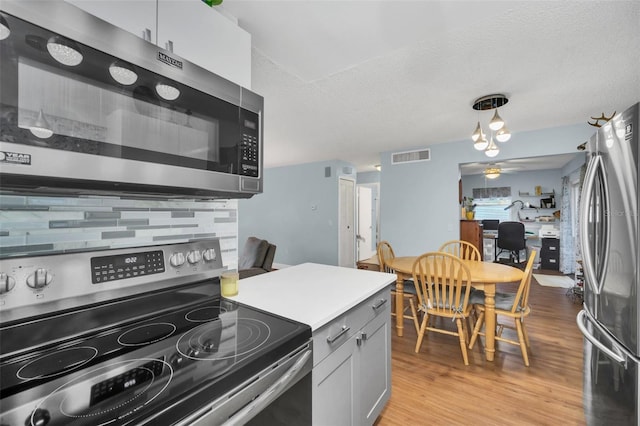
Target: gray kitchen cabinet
(352,364)
(197,33)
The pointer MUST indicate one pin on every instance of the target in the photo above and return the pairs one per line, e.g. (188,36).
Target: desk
(484,276)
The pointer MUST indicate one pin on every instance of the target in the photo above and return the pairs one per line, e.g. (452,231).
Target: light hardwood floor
(434,387)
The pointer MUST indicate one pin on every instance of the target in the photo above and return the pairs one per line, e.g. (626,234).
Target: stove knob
(209,255)
(176,260)
(39,279)
(194,257)
(7,283)
(40,417)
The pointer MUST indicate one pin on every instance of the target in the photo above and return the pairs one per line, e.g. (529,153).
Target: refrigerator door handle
(618,356)
(605,211)
(587,195)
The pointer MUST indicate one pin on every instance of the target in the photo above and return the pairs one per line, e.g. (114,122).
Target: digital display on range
(127,380)
(130,265)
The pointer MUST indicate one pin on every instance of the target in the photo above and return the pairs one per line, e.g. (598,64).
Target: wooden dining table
(484,276)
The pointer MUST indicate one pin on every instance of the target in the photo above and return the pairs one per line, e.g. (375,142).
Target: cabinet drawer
(332,335)
(550,263)
(550,244)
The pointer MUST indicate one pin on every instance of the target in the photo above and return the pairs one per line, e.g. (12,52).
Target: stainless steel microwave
(88,108)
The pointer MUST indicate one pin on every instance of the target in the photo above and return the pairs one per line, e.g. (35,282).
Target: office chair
(511,239)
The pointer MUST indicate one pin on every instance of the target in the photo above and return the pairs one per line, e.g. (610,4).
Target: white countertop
(311,293)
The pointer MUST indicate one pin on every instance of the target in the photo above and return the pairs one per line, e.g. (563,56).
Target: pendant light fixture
(4,28)
(123,73)
(41,127)
(496,125)
(492,150)
(65,51)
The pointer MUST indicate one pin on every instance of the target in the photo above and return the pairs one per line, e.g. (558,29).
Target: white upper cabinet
(199,33)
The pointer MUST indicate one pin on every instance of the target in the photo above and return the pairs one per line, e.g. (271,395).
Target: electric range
(163,348)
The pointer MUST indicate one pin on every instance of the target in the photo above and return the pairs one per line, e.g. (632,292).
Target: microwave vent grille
(411,156)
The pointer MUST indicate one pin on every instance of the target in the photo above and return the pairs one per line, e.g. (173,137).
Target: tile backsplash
(39,225)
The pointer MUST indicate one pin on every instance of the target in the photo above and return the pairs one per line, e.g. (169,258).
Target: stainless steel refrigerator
(609,243)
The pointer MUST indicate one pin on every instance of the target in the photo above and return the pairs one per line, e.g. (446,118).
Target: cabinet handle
(337,336)
(379,304)
(169,46)
(361,338)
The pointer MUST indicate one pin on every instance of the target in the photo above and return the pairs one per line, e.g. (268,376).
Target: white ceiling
(348,80)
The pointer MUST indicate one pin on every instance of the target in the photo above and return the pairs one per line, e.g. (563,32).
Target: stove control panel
(40,284)
(111,268)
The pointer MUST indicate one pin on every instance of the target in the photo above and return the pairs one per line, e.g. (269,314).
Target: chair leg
(463,344)
(414,312)
(476,329)
(421,332)
(526,335)
(523,345)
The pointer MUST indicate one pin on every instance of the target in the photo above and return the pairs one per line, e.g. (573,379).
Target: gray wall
(298,212)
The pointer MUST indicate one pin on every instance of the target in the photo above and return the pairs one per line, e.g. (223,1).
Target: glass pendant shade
(476,133)
(167,92)
(503,134)
(492,150)
(481,144)
(123,73)
(64,51)
(496,122)
(41,127)
(4,28)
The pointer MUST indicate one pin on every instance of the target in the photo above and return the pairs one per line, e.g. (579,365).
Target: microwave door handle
(587,198)
(617,356)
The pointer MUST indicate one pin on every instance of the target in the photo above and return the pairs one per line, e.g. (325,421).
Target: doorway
(346,223)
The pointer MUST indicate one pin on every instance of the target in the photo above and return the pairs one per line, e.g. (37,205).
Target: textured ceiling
(348,80)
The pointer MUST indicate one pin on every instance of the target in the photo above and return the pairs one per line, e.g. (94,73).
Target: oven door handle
(271,394)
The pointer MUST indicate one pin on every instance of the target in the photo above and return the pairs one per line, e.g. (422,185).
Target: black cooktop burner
(207,313)
(56,363)
(227,337)
(146,334)
(143,362)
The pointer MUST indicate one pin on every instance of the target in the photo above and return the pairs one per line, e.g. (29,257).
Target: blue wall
(419,201)
(298,212)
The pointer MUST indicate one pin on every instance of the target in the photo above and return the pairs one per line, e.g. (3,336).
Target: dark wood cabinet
(471,231)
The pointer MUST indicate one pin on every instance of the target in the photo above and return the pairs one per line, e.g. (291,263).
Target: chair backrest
(443,283)
(490,224)
(511,236)
(521,300)
(462,249)
(257,253)
(385,252)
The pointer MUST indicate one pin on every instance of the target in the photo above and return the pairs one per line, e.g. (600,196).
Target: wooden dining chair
(513,305)
(462,249)
(443,286)
(385,252)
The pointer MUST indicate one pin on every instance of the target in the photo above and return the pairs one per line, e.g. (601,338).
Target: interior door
(365,225)
(346,223)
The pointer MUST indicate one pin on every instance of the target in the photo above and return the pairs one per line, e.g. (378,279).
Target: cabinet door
(374,368)
(133,15)
(333,387)
(202,35)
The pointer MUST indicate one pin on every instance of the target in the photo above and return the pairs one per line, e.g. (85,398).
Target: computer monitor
(490,224)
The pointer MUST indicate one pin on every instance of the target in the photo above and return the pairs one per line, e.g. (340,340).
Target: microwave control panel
(249,145)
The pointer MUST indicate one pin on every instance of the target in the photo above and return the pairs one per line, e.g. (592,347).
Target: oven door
(89,117)
(280,394)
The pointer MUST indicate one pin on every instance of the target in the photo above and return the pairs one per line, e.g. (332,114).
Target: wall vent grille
(411,156)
